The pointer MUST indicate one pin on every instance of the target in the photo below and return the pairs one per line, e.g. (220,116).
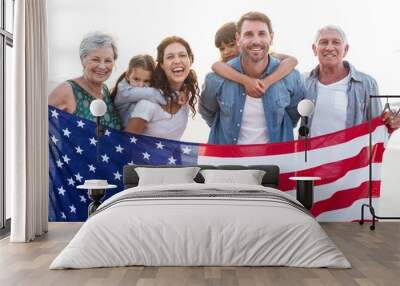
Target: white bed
(201,224)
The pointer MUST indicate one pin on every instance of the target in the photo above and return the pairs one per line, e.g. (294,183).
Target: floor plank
(374,255)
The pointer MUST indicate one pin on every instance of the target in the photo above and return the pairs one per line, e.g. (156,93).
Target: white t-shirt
(253,129)
(331,108)
(161,123)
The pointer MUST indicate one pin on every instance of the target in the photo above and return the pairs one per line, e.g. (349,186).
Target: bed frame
(270,179)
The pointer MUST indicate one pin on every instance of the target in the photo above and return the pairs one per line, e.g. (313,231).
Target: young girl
(133,86)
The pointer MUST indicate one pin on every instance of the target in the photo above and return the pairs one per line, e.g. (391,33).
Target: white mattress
(183,231)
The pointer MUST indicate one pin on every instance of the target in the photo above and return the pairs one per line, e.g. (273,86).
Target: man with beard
(237,118)
(339,91)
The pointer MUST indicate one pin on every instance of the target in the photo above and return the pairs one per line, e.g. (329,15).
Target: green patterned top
(83,100)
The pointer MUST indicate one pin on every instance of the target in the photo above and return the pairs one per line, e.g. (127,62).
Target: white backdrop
(138,27)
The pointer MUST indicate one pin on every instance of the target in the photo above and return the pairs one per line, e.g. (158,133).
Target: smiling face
(139,77)
(254,40)
(228,51)
(98,64)
(176,64)
(330,48)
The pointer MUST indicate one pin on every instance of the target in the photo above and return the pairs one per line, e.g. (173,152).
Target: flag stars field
(119,149)
(78,177)
(186,150)
(71,182)
(54,139)
(171,160)
(117,176)
(54,113)
(79,150)
(66,159)
(83,199)
(93,141)
(59,163)
(72,209)
(66,132)
(61,191)
(160,146)
(81,124)
(146,156)
(105,158)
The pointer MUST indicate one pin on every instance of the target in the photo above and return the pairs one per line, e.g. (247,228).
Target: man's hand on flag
(391,120)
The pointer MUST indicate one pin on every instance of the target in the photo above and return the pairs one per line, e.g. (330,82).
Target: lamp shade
(98,107)
(305,107)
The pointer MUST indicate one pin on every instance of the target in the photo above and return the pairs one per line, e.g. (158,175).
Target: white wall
(390,191)
(138,26)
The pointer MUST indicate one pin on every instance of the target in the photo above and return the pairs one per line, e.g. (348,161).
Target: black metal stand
(99,133)
(369,205)
(304,132)
(305,193)
(305,190)
(95,195)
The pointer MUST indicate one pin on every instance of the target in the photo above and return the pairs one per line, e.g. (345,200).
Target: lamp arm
(304,130)
(99,127)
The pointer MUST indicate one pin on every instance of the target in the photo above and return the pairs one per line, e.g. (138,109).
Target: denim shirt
(222,102)
(360,87)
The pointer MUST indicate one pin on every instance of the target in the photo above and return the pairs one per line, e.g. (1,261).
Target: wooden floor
(374,255)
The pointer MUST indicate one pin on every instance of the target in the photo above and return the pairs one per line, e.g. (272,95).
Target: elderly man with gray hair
(339,91)
(98,53)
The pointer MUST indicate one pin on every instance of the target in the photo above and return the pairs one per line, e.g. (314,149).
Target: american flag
(341,159)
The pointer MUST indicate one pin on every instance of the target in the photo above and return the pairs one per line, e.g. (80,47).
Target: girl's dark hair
(145,62)
(159,79)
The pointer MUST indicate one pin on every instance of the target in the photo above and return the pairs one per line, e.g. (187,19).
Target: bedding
(270,179)
(198,225)
(247,177)
(160,176)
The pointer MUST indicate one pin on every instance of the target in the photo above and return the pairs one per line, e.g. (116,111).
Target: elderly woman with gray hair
(98,54)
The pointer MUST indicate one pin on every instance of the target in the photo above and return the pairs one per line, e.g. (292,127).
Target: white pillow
(163,176)
(249,177)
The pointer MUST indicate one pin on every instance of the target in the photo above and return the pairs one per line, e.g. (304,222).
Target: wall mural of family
(250,98)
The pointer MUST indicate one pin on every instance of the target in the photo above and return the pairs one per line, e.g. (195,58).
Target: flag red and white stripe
(341,159)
